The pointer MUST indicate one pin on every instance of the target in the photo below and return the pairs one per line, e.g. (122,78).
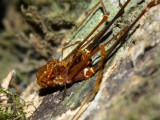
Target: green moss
(14,109)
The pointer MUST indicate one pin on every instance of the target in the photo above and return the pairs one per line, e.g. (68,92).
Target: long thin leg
(64,94)
(104,30)
(77,42)
(78,67)
(120,4)
(122,34)
(105,17)
(99,66)
(81,43)
(97,82)
(99,35)
(103,7)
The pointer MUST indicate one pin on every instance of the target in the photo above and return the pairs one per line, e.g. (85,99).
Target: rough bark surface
(130,82)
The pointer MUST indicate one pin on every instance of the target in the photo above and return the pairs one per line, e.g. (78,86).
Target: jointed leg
(120,4)
(104,30)
(97,82)
(96,50)
(65,82)
(74,70)
(99,35)
(103,7)
(77,42)
(105,17)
